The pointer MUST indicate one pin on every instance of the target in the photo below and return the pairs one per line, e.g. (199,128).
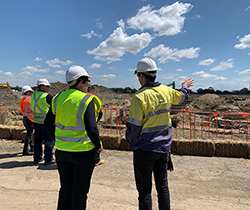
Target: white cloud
(248,53)
(248,8)
(168,20)
(7,73)
(223,65)
(206,62)
(121,23)
(37,59)
(95,66)
(180,70)
(220,78)
(204,75)
(98,24)
(247,71)
(26,73)
(118,43)
(109,76)
(109,59)
(196,17)
(91,34)
(166,53)
(55,63)
(33,69)
(60,72)
(245,42)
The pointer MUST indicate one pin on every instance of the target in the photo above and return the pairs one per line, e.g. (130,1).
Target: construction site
(210,152)
(209,119)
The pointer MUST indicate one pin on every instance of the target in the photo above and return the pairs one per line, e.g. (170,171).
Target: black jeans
(144,164)
(41,135)
(75,170)
(28,139)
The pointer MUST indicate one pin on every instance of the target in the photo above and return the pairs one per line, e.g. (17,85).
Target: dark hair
(84,79)
(149,78)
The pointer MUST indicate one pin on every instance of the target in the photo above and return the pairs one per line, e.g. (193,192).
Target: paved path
(197,183)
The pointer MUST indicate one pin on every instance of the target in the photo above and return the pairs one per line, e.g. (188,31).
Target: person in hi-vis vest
(149,133)
(40,104)
(72,121)
(27,120)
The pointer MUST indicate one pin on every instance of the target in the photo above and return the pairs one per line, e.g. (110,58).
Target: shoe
(100,162)
(36,162)
(50,162)
(27,153)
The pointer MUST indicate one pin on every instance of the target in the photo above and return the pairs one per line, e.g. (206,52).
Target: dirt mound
(95,89)
(209,97)
(57,87)
(4,89)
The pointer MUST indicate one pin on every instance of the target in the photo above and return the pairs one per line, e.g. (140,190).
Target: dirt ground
(197,183)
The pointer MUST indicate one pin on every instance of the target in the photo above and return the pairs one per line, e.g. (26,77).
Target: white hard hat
(74,72)
(43,81)
(145,65)
(26,88)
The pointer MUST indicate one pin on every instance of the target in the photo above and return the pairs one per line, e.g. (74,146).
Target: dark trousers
(144,164)
(97,157)
(75,171)
(28,139)
(41,135)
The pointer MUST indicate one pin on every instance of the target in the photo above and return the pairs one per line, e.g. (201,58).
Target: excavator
(6,84)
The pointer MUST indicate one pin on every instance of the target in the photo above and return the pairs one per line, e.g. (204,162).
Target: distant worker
(40,104)
(98,114)
(77,138)
(27,120)
(149,133)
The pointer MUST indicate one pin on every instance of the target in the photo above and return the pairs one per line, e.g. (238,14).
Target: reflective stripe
(39,119)
(26,114)
(40,115)
(161,111)
(80,109)
(182,97)
(134,121)
(70,128)
(73,139)
(36,105)
(55,102)
(79,126)
(157,128)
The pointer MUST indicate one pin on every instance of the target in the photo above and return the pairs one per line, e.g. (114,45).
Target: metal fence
(186,124)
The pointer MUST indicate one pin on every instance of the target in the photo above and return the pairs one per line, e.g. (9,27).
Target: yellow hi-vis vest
(98,105)
(150,107)
(39,106)
(69,107)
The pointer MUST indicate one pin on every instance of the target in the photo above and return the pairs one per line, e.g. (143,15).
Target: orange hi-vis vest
(25,107)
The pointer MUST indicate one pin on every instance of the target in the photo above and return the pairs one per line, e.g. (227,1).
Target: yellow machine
(6,84)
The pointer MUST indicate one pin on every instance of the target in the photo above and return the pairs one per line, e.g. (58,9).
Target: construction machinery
(172,84)
(6,84)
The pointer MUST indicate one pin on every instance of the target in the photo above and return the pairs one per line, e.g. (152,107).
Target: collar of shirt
(151,84)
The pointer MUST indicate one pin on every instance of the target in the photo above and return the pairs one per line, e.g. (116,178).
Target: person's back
(40,104)
(149,133)
(27,119)
(70,106)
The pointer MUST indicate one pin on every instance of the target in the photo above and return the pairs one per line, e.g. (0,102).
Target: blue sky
(208,40)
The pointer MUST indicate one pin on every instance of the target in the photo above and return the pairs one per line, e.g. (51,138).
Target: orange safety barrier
(108,121)
(219,125)
(186,124)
